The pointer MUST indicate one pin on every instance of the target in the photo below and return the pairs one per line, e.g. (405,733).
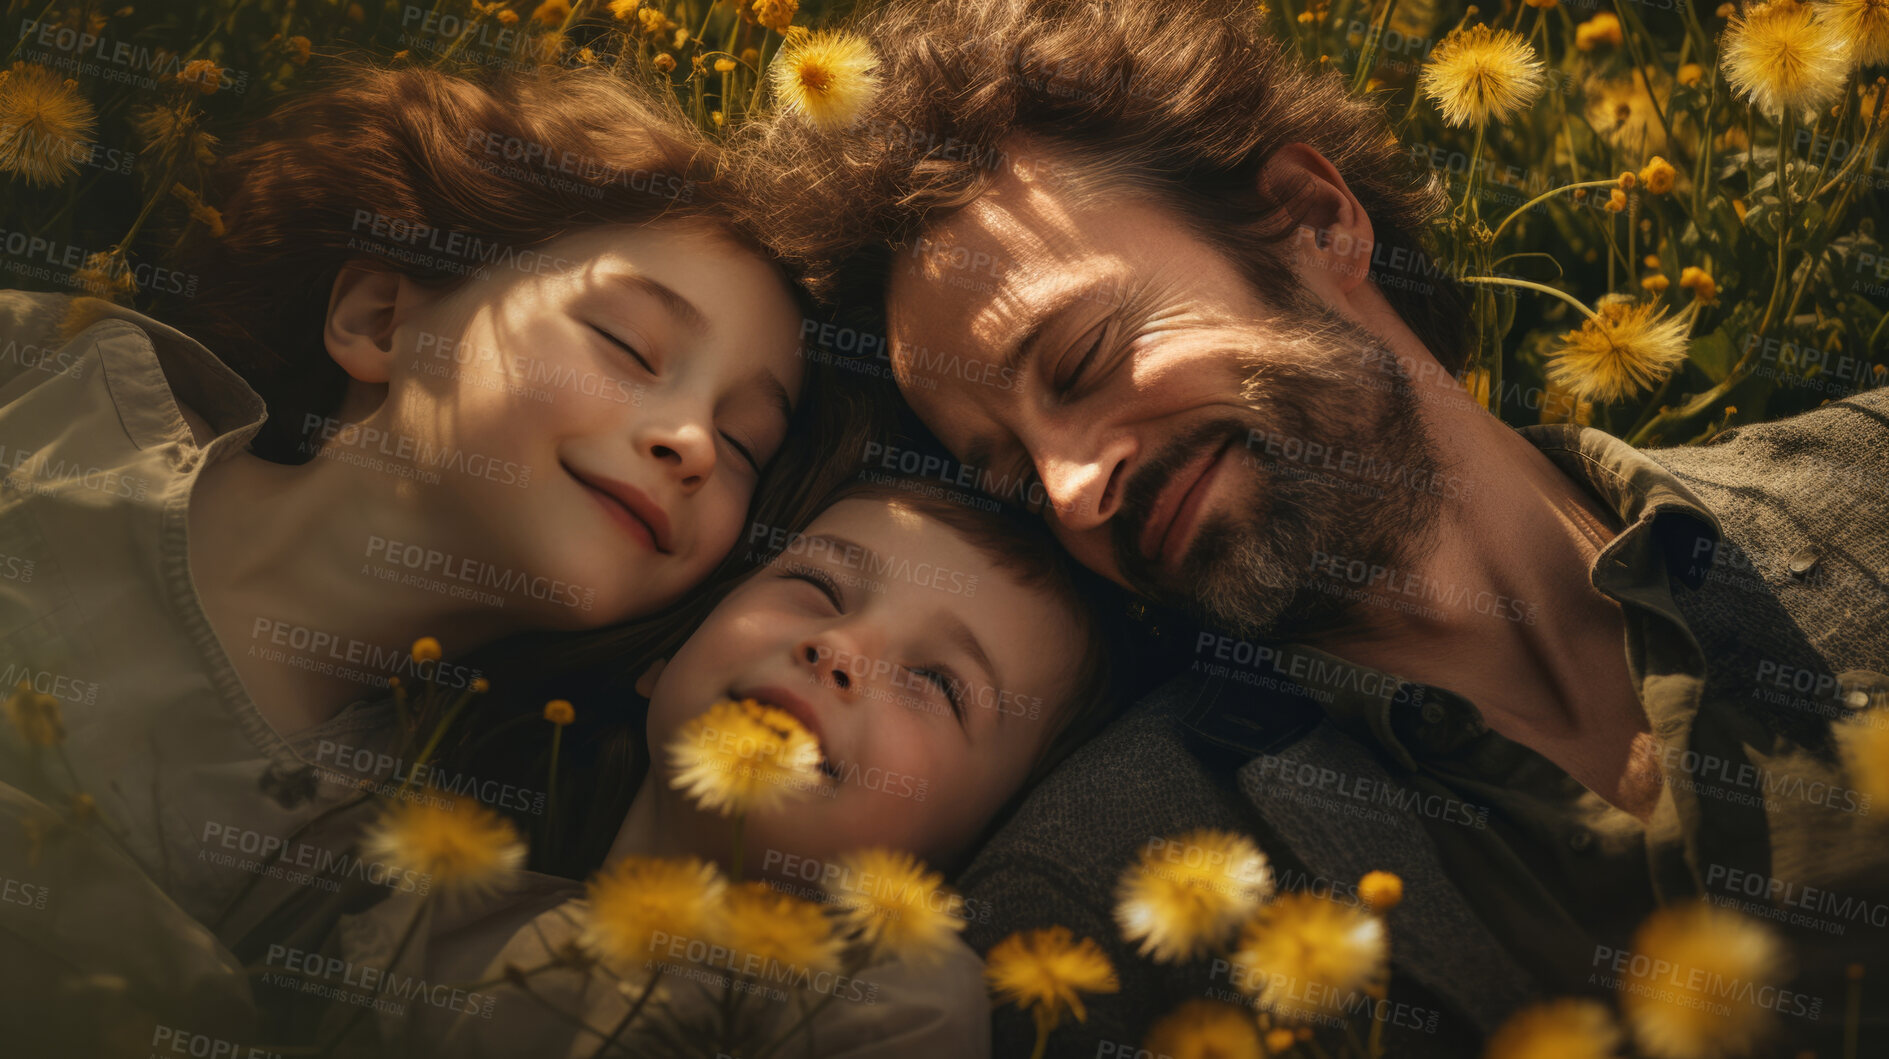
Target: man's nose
(1085,488)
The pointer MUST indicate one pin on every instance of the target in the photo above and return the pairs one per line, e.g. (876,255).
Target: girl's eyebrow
(679,307)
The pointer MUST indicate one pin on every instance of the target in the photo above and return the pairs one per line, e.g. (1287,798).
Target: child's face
(594,412)
(859,630)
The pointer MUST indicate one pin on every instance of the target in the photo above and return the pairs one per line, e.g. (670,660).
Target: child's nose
(816,657)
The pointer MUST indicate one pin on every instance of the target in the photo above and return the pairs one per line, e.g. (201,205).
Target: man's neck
(1511,620)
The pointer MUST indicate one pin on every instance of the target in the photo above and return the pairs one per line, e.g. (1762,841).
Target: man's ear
(1331,241)
(364,309)
(646,684)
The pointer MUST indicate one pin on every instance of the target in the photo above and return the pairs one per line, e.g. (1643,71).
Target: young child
(941,656)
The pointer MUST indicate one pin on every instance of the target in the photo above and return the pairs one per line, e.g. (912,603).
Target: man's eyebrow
(679,307)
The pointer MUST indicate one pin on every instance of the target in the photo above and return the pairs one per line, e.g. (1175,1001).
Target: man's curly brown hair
(1182,101)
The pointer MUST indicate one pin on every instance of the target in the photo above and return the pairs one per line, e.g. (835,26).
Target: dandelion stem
(551,784)
(1371,48)
(1783,222)
(1877,333)
(1469,182)
(629,1016)
(1523,208)
(734,864)
(1044,1023)
(406,938)
(1871,141)
(806,1017)
(1541,287)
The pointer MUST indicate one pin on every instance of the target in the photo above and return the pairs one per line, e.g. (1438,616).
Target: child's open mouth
(801,710)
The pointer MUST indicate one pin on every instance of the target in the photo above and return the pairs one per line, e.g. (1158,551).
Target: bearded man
(1143,266)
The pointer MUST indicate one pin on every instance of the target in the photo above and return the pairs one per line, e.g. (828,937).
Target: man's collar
(1647,498)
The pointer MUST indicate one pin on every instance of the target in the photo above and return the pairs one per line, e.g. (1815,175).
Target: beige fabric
(936,1011)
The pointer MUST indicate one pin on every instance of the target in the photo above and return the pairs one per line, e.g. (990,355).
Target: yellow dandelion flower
(1630,347)
(1726,10)
(1616,201)
(1864,24)
(1690,74)
(763,927)
(586,56)
(300,48)
(35,716)
(716,117)
(622,10)
(507,17)
(106,275)
(631,901)
(43,121)
(751,56)
(202,74)
(664,62)
(1481,74)
(1622,110)
(1658,176)
(464,847)
(1545,5)
(1603,28)
(776,15)
(742,756)
(1205,1029)
(1384,890)
(1278,1039)
(723,66)
(826,78)
(891,900)
(425,649)
(1559,1029)
(654,21)
(1046,971)
(1781,57)
(480,685)
(1864,741)
(559,712)
(1699,281)
(1693,979)
(1189,893)
(172,133)
(1655,283)
(1305,955)
(551,12)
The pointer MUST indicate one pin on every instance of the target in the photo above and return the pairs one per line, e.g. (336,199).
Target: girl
(487,359)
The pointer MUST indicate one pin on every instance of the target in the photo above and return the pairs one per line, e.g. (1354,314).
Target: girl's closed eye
(635,354)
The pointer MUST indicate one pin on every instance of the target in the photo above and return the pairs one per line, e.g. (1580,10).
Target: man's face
(1167,408)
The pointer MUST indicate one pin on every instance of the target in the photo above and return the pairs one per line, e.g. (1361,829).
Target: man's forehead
(979,277)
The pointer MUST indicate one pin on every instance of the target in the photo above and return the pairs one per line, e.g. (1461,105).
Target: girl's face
(585,422)
(928,675)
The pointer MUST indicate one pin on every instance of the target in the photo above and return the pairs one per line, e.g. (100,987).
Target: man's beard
(1253,568)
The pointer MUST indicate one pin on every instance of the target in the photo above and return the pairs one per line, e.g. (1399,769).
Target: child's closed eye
(950,685)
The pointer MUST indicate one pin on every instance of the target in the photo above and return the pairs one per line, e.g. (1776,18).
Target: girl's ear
(646,684)
(364,309)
